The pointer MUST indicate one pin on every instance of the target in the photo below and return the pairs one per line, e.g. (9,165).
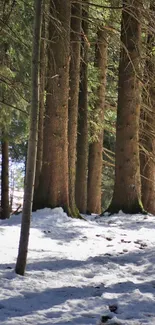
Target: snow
(79,271)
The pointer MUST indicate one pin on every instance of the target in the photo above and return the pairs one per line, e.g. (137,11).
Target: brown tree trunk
(53,186)
(41,110)
(4,62)
(32,145)
(82,137)
(5,209)
(147,134)
(41,103)
(73,100)
(95,148)
(148,176)
(127,191)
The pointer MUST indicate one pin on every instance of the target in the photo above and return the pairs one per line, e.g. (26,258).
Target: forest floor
(79,271)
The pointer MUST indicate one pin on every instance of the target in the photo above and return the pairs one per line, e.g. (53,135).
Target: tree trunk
(32,145)
(148,175)
(73,100)
(41,110)
(82,137)
(4,63)
(127,191)
(95,160)
(53,186)
(147,133)
(5,209)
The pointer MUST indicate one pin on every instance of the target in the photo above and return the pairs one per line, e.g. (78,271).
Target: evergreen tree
(32,146)
(82,136)
(5,208)
(95,161)
(147,132)
(53,185)
(74,75)
(127,191)
(42,73)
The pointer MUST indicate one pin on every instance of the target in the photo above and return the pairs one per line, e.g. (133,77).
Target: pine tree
(32,146)
(147,132)
(5,209)
(127,191)
(42,73)
(95,160)
(82,137)
(74,75)
(53,185)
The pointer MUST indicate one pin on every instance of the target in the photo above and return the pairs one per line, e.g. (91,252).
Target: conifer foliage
(92,92)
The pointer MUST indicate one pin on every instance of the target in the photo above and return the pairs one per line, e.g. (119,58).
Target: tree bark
(82,137)
(5,209)
(41,109)
(32,145)
(95,160)
(73,100)
(4,63)
(148,176)
(147,132)
(53,186)
(127,189)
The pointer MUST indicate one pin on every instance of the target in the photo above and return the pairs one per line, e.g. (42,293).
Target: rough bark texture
(95,160)
(82,137)
(5,209)
(41,110)
(4,63)
(147,134)
(73,100)
(126,196)
(53,186)
(32,145)
(41,104)
(148,176)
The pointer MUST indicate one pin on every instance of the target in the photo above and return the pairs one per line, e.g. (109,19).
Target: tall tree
(5,67)
(73,100)
(82,137)
(4,61)
(147,132)
(95,160)
(127,194)
(41,107)
(5,209)
(32,145)
(53,185)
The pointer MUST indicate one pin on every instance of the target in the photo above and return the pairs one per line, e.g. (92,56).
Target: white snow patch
(77,270)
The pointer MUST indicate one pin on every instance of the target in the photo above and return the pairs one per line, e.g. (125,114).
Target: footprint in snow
(141,244)
(125,241)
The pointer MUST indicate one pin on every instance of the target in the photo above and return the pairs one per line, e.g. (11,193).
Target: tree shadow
(124,221)
(126,293)
(29,302)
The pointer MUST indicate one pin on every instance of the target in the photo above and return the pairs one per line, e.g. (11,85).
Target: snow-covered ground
(79,270)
